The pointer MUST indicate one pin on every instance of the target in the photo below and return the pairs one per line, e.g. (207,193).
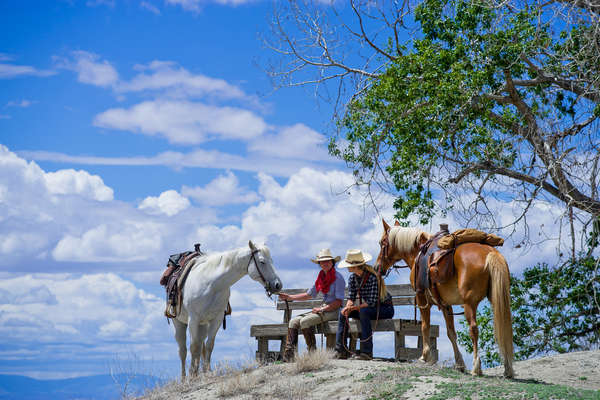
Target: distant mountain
(97,387)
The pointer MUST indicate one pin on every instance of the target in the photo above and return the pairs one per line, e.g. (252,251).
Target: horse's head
(398,243)
(261,269)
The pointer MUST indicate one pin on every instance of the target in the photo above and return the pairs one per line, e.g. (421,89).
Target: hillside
(565,376)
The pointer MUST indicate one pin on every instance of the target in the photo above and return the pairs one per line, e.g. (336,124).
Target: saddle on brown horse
(435,261)
(433,265)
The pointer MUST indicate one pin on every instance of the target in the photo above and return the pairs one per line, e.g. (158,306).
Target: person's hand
(346,310)
(317,310)
(284,296)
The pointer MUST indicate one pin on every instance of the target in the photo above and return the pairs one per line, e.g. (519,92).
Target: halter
(264,281)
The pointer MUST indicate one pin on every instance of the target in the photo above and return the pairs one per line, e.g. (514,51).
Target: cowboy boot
(290,345)
(309,337)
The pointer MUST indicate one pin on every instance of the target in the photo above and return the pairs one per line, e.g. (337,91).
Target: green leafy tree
(499,100)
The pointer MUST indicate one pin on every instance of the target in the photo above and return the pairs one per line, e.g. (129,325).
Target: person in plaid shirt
(366,292)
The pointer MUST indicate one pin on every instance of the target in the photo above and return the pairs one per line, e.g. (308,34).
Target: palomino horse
(480,271)
(206,293)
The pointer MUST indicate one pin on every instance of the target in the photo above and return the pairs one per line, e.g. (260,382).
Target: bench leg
(282,347)
(330,340)
(399,343)
(263,348)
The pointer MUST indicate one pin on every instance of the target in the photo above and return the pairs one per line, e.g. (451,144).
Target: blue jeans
(366,315)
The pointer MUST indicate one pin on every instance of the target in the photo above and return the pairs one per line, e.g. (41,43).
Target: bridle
(264,281)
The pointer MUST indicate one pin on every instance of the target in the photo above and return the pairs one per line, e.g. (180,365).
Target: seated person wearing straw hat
(368,299)
(331,284)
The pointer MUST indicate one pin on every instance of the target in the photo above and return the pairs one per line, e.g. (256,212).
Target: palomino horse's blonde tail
(499,296)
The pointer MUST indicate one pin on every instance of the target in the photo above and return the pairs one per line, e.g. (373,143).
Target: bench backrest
(401,295)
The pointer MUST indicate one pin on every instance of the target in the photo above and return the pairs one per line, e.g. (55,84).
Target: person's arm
(351,297)
(334,305)
(299,296)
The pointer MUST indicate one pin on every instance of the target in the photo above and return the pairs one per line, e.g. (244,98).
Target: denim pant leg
(368,314)
(366,339)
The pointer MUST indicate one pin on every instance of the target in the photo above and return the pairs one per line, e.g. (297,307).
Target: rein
(253,258)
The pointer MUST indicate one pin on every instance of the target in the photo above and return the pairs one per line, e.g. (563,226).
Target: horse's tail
(499,296)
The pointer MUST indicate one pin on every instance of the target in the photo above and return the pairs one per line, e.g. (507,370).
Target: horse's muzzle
(274,286)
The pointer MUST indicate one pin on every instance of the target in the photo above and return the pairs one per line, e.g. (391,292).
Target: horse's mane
(404,239)
(214,259)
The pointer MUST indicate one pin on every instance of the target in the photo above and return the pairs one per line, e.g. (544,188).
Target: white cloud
(169,203)
(95,3)
(92,301)
(69,181)
(46,217)
(297,141)
(178,82)
(90,68)
(125,242)
(22,103)
(195,5)
(150,7)
(223,190)
(183,122)
(8,71)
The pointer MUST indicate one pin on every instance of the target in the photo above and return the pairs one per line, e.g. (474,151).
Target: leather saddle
(433,266)
(178,268)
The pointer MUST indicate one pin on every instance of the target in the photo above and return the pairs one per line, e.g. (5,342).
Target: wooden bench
(402,295)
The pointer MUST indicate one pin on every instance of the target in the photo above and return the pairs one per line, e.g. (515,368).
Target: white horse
(206,293)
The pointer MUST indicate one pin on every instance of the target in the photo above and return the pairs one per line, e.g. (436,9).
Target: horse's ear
(252,246)
(396,223)
(386,227)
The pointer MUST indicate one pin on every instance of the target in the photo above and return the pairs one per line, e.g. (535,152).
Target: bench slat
(404,327)
(394,290)
(310,304)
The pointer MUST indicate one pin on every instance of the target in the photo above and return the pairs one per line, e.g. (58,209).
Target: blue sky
(130,130)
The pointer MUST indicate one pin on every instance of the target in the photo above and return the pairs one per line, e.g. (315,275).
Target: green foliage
(442,107)
(554,310)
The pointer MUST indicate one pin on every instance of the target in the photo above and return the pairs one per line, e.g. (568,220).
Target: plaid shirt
(368,293)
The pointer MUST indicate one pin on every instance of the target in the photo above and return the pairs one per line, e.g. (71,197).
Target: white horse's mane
(404,239)
(228,256)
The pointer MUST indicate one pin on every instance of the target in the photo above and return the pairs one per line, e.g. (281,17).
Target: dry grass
(246,378)
(311,361)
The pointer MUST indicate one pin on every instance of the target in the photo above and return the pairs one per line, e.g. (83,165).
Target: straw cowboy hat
(325,255)
(355,258)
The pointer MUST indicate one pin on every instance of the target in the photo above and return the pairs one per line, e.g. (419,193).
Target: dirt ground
(355,379)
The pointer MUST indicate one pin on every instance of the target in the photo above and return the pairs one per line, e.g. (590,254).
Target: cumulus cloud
(178,82)
(297,141)
(71,308)
(221,191)
(71,216)
(90,68)
(125,242)
(168,203)
(69,181)
(183,122)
